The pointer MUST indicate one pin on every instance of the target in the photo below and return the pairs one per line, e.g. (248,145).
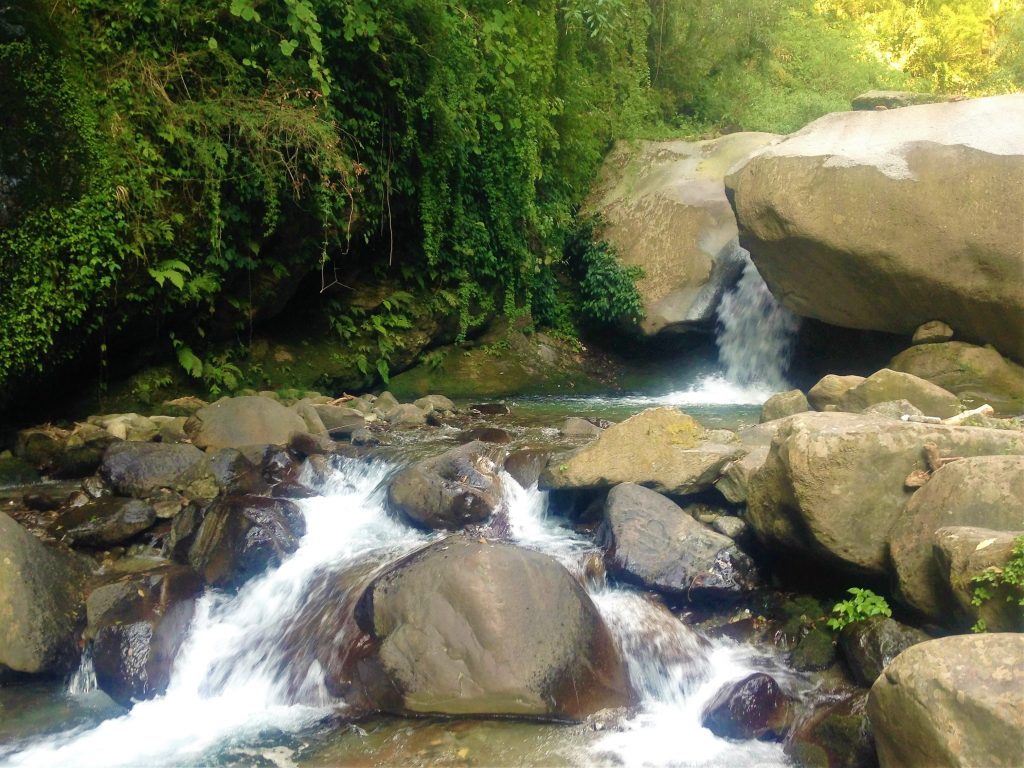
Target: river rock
(574,426)
(932,332)
(784,404)
(137,626)
(526,464)
(836,734)
(459,487)
(240,421)
(242,536)
(465,628)
(735,479)
(651,540)
(104,522)
(40,604)
(830,390)
(887,385)
(893,409)
(814,652)
(140,469)
(976,375)
(339,420)
(984,491)
(431,403)
(962,554)
(664,208)
(129,426)
(832,487)
(307,412)
(886,220)
(955,701)
(15,471)
(660,448)
(83,451)
(494,435)
(41,446)
(406,415)
(752,708)
(871,644)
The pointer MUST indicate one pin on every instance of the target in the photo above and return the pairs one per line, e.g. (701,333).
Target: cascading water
(755,333)
(246,665)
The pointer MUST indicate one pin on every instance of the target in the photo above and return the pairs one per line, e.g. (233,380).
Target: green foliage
(863,605)
(370,335)
(1007,580)
(607,289)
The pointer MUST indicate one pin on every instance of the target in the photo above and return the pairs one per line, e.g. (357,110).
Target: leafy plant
(863,605)
(1008,579)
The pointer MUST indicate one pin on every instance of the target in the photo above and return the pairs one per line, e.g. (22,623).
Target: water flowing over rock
(753,708)
(459,487)
(451,624)
(985,491)
(652,540)
(886,220)
(956,701)
(40,604)
(832,487)
(755,334)
(665,210)
(660,448)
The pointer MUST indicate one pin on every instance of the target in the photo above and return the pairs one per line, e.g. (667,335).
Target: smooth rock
(339,420)
(104,522)
(449,491)
(830,390)
(660,448)
(983,491)
(735,480)
(574,426)
(887,385)
(832,487)
(240,421)
(932,332)
(893,409)
(753,708)
(784,404)
(956,701)
(141,469)
(40,604)
(964,553)
(651,540)
(870,645)
(449,623)
(886,220)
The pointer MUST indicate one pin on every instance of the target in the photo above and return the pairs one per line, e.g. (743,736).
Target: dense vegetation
(170,172)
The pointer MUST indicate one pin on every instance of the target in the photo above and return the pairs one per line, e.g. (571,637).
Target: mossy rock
(814,652)
(14,471)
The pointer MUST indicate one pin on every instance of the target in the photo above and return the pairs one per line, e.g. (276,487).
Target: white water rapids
(227,684)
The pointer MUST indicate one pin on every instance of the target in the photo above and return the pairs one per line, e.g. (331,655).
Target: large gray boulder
(240,421)
(735,480)
(141,469)
(987,491)
(459,487)
(832,487)
(956,701)
(831,390)
(665,210)
(886,220)
(964,553)
(466,628)
(651,540)
(977,375)
(40,604)
(660,448)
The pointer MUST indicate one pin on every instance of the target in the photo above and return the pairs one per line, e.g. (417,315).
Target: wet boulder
(141,469)
(137,626)
(886,220)
(966,553)
(242,536)
(466,628)
(40,604)
(651,540)
(871,644)
(458,487)
(660,448)
(104,522)
(955,701)
(833,486)
(835,734)
(984,491)
(752,708)
(526,464)
(240,421)
(814,652)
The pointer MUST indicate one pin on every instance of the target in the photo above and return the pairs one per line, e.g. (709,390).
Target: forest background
(172,174)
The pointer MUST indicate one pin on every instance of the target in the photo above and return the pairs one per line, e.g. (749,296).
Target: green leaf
(211,43)
(192,364)
(288,46)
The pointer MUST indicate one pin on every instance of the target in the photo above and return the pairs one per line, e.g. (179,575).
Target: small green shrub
(1008,579)
(863,605)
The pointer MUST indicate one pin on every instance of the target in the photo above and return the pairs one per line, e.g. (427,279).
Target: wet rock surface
(105,521)
(870,645)
(140,469)
(753,708)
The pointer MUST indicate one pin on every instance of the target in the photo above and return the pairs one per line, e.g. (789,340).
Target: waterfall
(84,679)
(755,334)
